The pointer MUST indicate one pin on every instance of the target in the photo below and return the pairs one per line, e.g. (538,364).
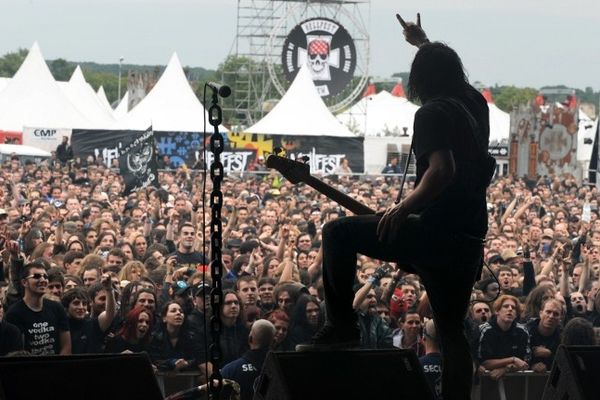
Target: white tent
(3,83)
(301,112)
(104,100)
(381,115)
(81,94)
(123,107)
(499,124)
(585,138)
(171,105)
(499,120)
(33,98)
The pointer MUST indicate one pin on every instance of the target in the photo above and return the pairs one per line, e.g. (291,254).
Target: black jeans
(448,265)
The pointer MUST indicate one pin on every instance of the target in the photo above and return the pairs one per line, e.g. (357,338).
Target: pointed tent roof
(300,112)
(123,107)
(33,98)
(170,106)
(380,115)
(103,99)
(81,94)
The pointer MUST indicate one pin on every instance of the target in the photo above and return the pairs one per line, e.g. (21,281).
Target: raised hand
(413,33)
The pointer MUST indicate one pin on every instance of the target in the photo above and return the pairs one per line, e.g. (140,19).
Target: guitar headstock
(293,171)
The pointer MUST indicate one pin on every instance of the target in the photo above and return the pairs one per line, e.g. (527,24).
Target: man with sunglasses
(42,322)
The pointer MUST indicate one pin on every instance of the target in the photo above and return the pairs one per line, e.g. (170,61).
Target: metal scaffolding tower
(253,68)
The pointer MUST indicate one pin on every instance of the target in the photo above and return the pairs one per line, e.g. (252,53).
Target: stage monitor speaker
(575,374)
(90,376)
(349,374)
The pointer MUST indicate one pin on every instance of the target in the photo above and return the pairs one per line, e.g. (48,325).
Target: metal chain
(216,245)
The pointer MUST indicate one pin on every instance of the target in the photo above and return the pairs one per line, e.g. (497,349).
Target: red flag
(398,90)
(487,95)
(370,90)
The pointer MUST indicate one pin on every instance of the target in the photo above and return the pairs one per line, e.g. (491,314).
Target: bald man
(246,369)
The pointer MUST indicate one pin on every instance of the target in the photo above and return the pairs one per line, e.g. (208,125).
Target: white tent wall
(499,123)
(380,115)
(123,107)
(376,151)
(3,83)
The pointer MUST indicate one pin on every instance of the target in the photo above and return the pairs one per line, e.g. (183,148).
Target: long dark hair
(436,71)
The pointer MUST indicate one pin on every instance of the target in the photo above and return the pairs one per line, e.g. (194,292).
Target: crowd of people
(88,270)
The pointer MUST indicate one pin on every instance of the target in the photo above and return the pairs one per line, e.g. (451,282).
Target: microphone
(221,89)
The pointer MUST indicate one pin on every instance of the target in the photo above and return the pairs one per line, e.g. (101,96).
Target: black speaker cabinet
(348,374)
(90,376)
(575,374)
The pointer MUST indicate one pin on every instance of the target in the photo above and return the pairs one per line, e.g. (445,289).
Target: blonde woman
(132,271)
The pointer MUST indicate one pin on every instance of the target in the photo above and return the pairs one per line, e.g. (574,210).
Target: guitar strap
(399,198)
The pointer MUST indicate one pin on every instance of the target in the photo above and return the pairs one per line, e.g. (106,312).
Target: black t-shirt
(440,125)
(190,260)
(10,338)
(40,329)
(86,336)
(537,339)
(432,368)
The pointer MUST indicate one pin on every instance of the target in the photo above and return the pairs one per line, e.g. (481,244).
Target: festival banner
(105,144)
(137,162)
(241,153)
(242,150)
(324,153)
(44,138)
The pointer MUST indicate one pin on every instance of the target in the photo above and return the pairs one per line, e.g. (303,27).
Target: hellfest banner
(241,149)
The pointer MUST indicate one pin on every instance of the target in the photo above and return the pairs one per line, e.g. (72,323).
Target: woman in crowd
(88,333)
(139,246)
(132,271)
(134,335)
(172,347)
(307,319)
(281,321)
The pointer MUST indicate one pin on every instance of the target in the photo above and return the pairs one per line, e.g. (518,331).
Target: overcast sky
(520,42)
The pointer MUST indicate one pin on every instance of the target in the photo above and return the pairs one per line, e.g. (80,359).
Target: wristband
(373,281)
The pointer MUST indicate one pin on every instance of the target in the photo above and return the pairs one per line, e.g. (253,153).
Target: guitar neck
(341,198)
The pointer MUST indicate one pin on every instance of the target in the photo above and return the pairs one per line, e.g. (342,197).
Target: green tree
(10,62)
(109,81)
(61,69)
(508,97)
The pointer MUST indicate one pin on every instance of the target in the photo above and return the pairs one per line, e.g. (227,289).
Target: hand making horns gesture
(413,33)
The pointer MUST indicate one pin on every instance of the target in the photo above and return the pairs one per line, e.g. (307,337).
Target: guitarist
(438,229)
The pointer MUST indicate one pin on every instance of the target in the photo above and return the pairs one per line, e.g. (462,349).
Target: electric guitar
(296,172)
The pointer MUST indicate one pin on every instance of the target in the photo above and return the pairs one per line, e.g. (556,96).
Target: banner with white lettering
(137,163)
(44,138)
(242,150)
(102,144)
